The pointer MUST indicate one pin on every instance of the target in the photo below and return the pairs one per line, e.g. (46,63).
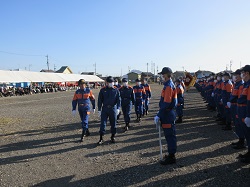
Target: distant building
(178,74)
(202,73)
(65,70)
(148,76)
(47,71)
(88,73)
(132,76)
(91,73)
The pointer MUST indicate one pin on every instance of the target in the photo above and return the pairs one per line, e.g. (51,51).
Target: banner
(189,80)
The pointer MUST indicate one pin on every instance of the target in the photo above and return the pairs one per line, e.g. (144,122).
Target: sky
(122,35)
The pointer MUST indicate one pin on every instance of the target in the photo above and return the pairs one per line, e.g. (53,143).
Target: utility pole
(231,65)
(95,67)
(147,71)
(47,61)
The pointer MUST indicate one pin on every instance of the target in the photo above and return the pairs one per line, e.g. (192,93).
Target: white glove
(247,121)
(93,111)
(212,94)
(99,113)
(228,104)
(157,119)
(117,111)
(73,113)
(221,100)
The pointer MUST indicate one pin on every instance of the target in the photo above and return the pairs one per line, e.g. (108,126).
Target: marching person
(83,97)
(180,101)
(166,115)
(244,111)
(117,85)
(127,100)
(109,102)
(140,95)
(147,96)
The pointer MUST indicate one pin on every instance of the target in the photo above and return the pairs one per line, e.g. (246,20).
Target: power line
(20,54)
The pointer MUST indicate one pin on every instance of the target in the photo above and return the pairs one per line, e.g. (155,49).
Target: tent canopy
(29,76)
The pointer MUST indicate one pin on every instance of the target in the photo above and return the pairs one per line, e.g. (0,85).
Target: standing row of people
(230,97)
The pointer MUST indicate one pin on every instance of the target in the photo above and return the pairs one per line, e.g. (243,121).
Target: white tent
(28,76)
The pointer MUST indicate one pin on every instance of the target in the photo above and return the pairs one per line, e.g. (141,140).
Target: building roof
(48,71)
(63,68)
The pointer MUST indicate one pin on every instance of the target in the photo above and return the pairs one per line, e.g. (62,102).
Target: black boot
(83,133)
(112,138)
(126,127)
(179,120)
(87,132)
(247,154)
(139,118)
(228,127)
(101,140)
(169,159)
(246,157)
(240,144)
(146,112)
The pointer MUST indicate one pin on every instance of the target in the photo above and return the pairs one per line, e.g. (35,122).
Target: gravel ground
(39,147)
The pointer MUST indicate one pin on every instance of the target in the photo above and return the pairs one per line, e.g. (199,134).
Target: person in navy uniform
(244,111)
(117,85)
(180,100)
(232,104)
(83,97)
(127,101)
(140,95)
(226,92)
(109,102)
(166,115)
(147,97)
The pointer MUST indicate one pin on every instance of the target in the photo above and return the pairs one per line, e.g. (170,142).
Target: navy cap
(246,68)
(237,72)
(226,74)
(124,80)
(166,70)
(212,74)
(220,74)
(110,79)
(81,81)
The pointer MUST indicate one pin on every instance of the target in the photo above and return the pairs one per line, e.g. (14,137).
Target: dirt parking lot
(39,147)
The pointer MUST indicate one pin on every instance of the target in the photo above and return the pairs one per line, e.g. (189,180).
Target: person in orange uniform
(147,97)
(140,95)
(83,97)
(226,92)
(244,111)
(238,86)
(166,115)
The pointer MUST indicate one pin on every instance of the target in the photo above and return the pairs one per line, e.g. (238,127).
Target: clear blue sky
(117,34)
